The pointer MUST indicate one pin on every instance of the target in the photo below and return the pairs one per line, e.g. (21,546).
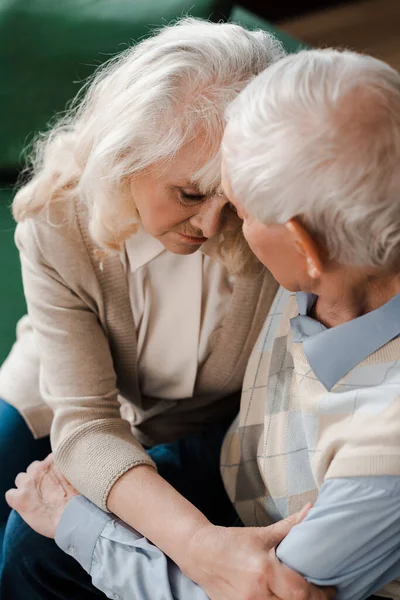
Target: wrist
(198,558)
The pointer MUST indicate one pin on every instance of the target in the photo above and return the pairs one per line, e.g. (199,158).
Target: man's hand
(41,495)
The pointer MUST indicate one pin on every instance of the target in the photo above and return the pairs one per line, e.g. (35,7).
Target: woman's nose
(210,218)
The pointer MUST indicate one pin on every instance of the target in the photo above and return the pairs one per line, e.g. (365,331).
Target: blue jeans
(34,568)
(18,449)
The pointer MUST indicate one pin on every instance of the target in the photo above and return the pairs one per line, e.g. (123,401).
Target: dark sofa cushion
(49,47)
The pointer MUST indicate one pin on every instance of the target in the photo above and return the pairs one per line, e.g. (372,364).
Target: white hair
(140,108)
(317,137)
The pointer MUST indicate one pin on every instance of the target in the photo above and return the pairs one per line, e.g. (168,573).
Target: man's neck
(347,293)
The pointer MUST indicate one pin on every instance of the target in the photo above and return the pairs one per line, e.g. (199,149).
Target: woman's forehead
(208,177)
(200,171)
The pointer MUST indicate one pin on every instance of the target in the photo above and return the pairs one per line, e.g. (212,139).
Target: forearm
(150,505)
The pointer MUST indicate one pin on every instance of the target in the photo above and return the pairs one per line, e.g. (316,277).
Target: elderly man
(311,155)
(311,161)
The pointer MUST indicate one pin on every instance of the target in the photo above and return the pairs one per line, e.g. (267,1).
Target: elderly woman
(124,308)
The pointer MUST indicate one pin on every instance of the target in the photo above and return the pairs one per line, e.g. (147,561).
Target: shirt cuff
(79,528)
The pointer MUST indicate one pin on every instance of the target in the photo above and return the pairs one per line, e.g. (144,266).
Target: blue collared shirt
(350,539)
(332,353)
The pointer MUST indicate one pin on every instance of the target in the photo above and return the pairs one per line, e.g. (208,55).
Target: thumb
(275,533)
(49,459)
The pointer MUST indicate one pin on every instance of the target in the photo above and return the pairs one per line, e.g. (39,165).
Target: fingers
(41,465)
(48,466)
(63,481)
(288,584)
(58,473)
(14,495)
(275,533)
(20,479)
(321,593)
(16,499)
(45,479)
(325,593)
(11,498)
(49,460)
(33,467)
(36,469)
(302,513)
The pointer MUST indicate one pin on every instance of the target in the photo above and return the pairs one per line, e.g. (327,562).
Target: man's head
(312,161)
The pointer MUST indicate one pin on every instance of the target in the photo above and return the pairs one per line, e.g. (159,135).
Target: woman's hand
(41,495)
(240,564)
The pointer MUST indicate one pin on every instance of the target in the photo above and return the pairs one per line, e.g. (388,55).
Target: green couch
(48,47)
(12,304)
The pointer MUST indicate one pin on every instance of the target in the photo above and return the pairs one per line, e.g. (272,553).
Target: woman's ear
(306,246)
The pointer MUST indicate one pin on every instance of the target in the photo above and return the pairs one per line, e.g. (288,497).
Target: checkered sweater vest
(292,434)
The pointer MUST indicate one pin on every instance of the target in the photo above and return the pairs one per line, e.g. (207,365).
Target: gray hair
(317,136)
(141,108)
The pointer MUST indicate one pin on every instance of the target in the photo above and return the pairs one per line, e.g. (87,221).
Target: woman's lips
(189,239)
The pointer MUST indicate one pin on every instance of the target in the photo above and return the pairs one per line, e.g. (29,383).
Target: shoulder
(58,239)
(57,236)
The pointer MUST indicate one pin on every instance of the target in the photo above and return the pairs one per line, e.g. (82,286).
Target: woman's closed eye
(191,198)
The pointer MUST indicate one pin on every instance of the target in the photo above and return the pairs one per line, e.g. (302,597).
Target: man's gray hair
(317,136)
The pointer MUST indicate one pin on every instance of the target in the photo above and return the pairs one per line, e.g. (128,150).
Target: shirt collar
(332,353)
(141,248)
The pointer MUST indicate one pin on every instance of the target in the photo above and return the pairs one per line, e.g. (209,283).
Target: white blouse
(177,303)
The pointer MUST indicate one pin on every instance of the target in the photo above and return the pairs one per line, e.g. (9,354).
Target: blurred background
(49,47)
(370,26)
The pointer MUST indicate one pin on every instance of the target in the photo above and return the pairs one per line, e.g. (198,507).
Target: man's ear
(306,246)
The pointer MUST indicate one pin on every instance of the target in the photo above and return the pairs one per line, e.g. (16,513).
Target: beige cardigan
(81,338)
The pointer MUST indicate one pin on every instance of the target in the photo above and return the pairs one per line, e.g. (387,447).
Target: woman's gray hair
(140,108)
(317,136)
